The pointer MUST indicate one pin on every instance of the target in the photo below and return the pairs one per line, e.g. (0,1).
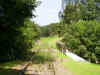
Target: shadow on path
(9,71)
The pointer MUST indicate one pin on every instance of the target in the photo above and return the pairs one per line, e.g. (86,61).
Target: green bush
(83,38)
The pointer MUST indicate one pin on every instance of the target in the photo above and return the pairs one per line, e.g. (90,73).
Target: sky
(47,12)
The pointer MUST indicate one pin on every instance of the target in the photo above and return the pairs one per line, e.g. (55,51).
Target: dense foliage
(79,28)
(71,13)
(17,31)
(83,38)
(50,30)
(88,10)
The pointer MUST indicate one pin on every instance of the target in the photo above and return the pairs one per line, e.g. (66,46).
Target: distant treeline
(50,30)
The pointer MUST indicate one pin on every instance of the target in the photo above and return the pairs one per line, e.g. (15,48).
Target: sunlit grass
(80,68)
(48,42)
(51,41)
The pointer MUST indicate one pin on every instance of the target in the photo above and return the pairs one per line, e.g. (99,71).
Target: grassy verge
(79,68)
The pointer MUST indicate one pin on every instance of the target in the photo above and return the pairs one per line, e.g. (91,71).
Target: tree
(71,13)
(79,27)
(82,38)
(51,29)
(17,32)
(85,10)
(88,10)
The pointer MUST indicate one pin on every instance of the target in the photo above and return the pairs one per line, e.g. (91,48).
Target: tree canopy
(17,31)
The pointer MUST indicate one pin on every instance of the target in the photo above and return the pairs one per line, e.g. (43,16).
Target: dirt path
(48,68)
(39,69)
(54,68)
(45,69)
(51,68)
(59,68)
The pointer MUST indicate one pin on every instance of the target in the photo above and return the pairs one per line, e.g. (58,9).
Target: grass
(6,68)
(42,57)
(48,42)
(79,68)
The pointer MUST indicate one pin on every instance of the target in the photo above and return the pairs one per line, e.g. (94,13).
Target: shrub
(83,38)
